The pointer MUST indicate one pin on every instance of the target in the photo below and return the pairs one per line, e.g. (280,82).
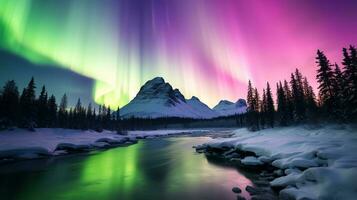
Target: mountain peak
(225,108)
(194,98)
(225,102)
(156,80)
(241,103)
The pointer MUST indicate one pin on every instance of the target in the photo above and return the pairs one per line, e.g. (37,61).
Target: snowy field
(23,144)
(315,163)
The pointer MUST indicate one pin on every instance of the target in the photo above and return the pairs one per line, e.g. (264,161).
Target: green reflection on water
(157,169)
(109,173)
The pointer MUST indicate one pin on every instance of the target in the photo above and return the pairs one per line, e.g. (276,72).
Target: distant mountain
(156,98)
(200,107)
(226,108)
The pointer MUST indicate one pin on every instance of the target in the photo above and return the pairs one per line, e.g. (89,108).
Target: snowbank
(23,144)
(318,163)
(20,143)
(159,133)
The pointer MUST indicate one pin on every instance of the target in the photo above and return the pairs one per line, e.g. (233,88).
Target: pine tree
(62,112)
(353,82)
(89,116)
(270,112)
(298,96)
(9,104)
(52,112)
(338,85)
(325,78)
(350,76)
(281,105)
(256,101)
(251,105)
(263,110)
(77,114)
(42,111)
(310,100)
(28,106)
(71,123)
(117,114)
(118,120)
(289,103)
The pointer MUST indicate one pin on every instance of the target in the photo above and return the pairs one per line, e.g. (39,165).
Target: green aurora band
(49,36)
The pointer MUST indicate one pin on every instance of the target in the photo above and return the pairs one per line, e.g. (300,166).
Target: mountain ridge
(157,98)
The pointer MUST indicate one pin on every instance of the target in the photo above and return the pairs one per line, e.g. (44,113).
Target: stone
(254,191)
(236,190)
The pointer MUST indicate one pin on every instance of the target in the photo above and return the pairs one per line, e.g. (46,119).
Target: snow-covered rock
(315,163)
(250,160)
(226,108)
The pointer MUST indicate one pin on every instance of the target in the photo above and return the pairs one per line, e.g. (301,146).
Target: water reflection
(152,169)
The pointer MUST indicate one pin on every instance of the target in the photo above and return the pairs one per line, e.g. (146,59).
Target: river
(164,168)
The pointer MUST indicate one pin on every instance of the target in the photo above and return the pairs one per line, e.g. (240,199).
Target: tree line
(28,111)
(296,101)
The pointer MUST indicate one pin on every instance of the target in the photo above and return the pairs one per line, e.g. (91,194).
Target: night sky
(103,51)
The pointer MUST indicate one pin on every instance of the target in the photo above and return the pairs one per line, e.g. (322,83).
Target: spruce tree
(62,112)
(298,96)
(42,109)
(350,76)
(28,106)
(108,118)
(89,116)
(281,105)
(9,104)
(338,85)
(353,83)
(77,114)
(263,110)
(256,101)
(289,103)
(251,105)
(52,112)
(270,112)
(310,100)
(118,120)
(325,79)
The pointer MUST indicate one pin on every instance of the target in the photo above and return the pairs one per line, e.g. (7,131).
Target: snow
(226,108)
(21,143)
(250,160)
(155,108)
(157,98)
(317,163)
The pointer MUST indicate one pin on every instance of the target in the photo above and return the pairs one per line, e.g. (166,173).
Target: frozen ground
(316,163)
(23,144)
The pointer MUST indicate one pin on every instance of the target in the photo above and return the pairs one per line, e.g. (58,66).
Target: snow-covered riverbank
(44,142)
(315,163)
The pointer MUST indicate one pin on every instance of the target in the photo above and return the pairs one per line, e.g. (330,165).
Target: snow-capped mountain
(156,98)
(226,108)
(197,105)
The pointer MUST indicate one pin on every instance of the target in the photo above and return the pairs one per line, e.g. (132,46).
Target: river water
(165,168)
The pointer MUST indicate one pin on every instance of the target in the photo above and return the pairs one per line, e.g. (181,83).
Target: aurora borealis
(206,48)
